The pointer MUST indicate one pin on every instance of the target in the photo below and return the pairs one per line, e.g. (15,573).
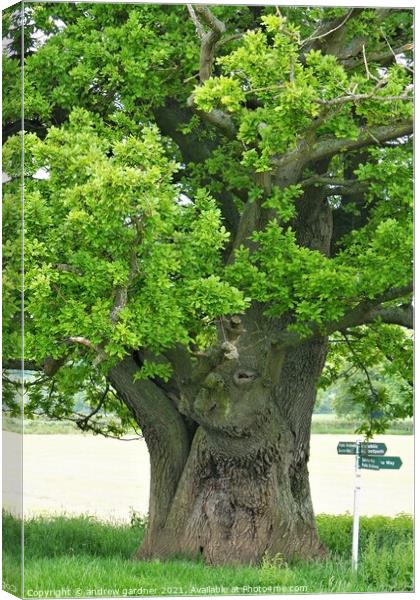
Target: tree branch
(383,58)
(367,137)
(215,117)
(327,29)
(360,364)
(348,186)
(368,310)
(398,315)
(64,268)
(77,339)
(330,35)
(17,364)
(363,313)
(208,40)
(49,365)
(359,97)
(347,54)
(198,27)
(83,422)
(394,53)
(121,294)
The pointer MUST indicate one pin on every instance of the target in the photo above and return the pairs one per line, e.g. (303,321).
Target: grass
(81,556)
(321,423)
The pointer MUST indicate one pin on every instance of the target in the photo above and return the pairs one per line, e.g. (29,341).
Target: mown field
(79,557)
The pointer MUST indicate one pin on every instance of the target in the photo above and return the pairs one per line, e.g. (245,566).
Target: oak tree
(217,218)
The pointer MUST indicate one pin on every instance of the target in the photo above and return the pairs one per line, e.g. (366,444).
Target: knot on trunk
(244,377)
(233,400)
(230,351)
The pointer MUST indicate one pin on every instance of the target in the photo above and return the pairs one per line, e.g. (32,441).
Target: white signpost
(356,511)
(368,455)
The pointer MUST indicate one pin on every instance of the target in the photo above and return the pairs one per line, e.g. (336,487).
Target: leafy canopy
(129,195)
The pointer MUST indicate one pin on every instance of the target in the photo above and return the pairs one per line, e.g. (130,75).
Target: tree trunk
(238,509)
(165,434)
(243,492)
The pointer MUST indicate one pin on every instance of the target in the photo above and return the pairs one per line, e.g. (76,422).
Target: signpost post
(368,455)
(356,515)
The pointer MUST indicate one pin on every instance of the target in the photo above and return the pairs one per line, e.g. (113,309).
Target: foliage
(267,66)
(130,195)
(350,395)
(371,380)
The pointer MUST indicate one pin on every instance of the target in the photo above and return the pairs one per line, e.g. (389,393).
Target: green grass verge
(84,557)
